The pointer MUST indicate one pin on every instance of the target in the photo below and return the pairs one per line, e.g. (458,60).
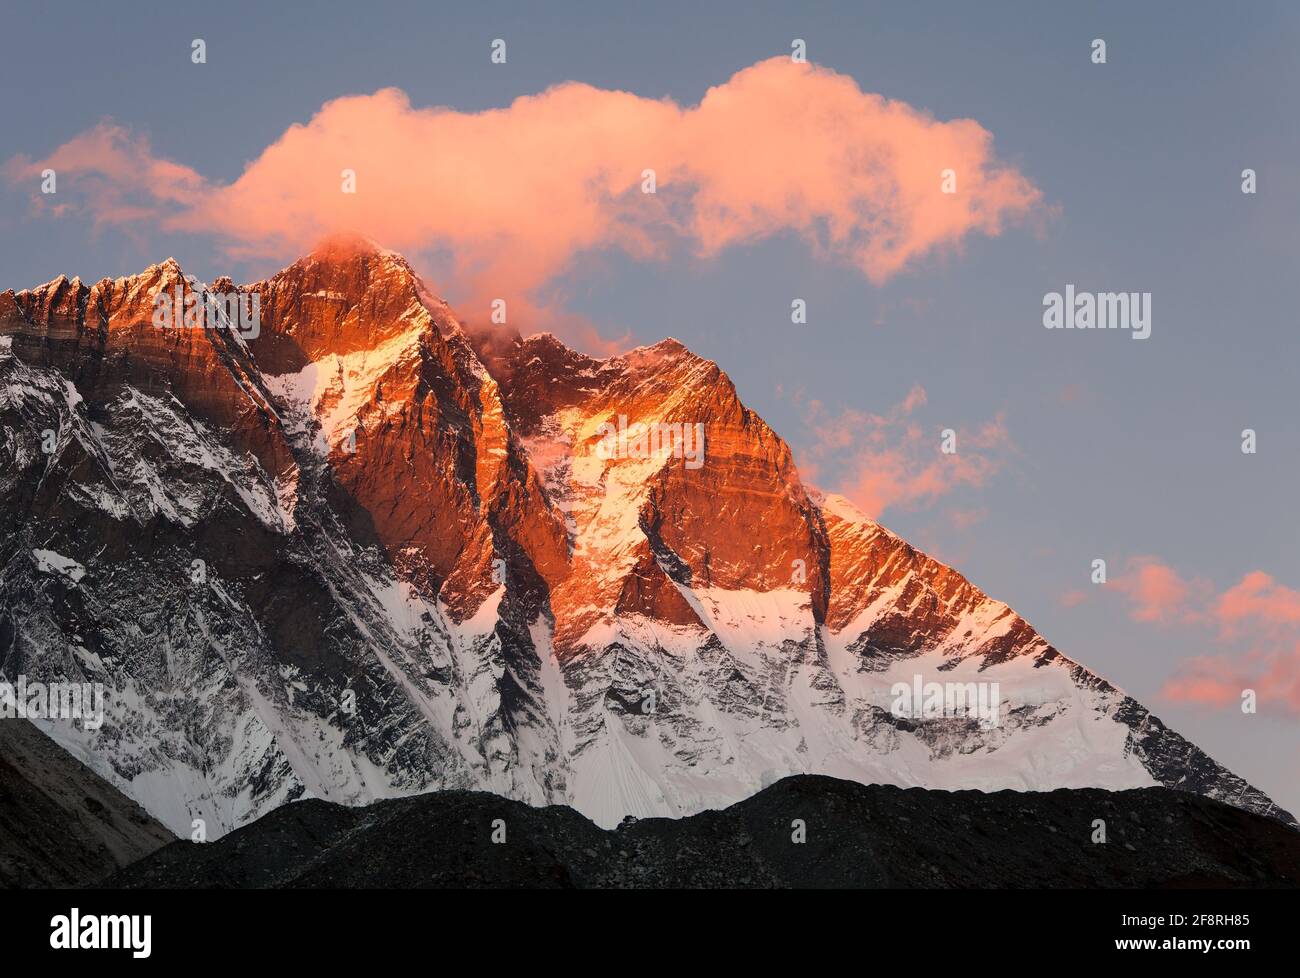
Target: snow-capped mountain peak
(352,557)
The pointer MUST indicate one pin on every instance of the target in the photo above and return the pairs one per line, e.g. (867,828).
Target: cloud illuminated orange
(1259,598)
(1157,591)
(1255,623)
(1218,682)
(514,194)
(892,460)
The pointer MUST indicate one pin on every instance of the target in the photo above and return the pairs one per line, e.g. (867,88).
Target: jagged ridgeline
(361,552)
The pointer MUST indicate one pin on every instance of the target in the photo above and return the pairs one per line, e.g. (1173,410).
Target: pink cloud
(1206,682)
(892,460)
(1158,593)
(1218,682)
(1073,598)
(116,175)
(514,194)
(1259,599)
(1255,623)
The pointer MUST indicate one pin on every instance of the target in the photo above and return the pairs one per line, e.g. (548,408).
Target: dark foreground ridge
(856,836)
(60,823)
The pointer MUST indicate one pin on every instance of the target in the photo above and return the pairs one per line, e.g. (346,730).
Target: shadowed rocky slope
(856,836)
(60,824)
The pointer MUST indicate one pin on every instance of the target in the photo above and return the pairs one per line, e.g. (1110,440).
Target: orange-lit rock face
(467,480)
(725,510)
(103,336)
(470,474)
(386,388)
(473,540)
(910,603)
(345,297)
(471,477)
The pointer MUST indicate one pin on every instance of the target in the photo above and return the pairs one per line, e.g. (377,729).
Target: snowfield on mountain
(362,556)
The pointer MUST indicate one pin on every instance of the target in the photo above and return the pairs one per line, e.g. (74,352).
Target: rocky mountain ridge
(355,556)
(803,831)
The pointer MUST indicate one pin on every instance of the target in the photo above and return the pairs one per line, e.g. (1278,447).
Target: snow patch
(50,562)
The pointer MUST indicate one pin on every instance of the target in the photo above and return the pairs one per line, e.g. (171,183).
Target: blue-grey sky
(1108,448)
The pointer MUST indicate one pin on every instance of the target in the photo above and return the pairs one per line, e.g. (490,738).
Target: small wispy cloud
(892,460)
(1254,626)
(1156,592)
